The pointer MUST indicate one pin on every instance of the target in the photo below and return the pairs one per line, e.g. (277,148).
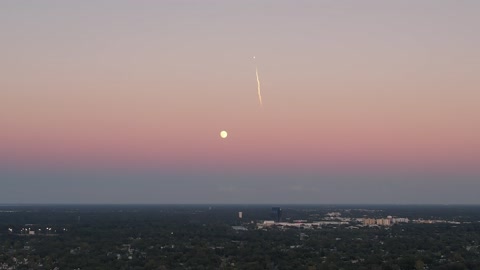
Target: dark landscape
(215,237)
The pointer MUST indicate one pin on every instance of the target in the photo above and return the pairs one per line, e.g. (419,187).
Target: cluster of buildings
(335,219)
(331,219)
(432,221)
(306,225)
(29,231)
(391,220)
(384,221)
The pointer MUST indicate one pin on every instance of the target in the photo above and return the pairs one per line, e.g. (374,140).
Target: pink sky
(151,85)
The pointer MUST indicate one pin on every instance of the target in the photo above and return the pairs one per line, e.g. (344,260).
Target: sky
(123,102)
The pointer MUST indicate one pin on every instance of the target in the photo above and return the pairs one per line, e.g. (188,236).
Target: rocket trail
(258,86)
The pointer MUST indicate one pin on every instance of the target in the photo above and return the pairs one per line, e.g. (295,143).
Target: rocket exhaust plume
(258,85)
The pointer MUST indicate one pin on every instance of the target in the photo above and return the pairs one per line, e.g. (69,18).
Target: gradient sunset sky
(123,102)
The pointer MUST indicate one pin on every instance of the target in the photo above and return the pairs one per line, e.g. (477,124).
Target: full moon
(223,134)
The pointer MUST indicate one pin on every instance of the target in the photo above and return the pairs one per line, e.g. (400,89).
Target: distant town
(335,218)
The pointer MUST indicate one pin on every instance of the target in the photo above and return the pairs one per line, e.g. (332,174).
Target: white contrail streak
(258,85)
